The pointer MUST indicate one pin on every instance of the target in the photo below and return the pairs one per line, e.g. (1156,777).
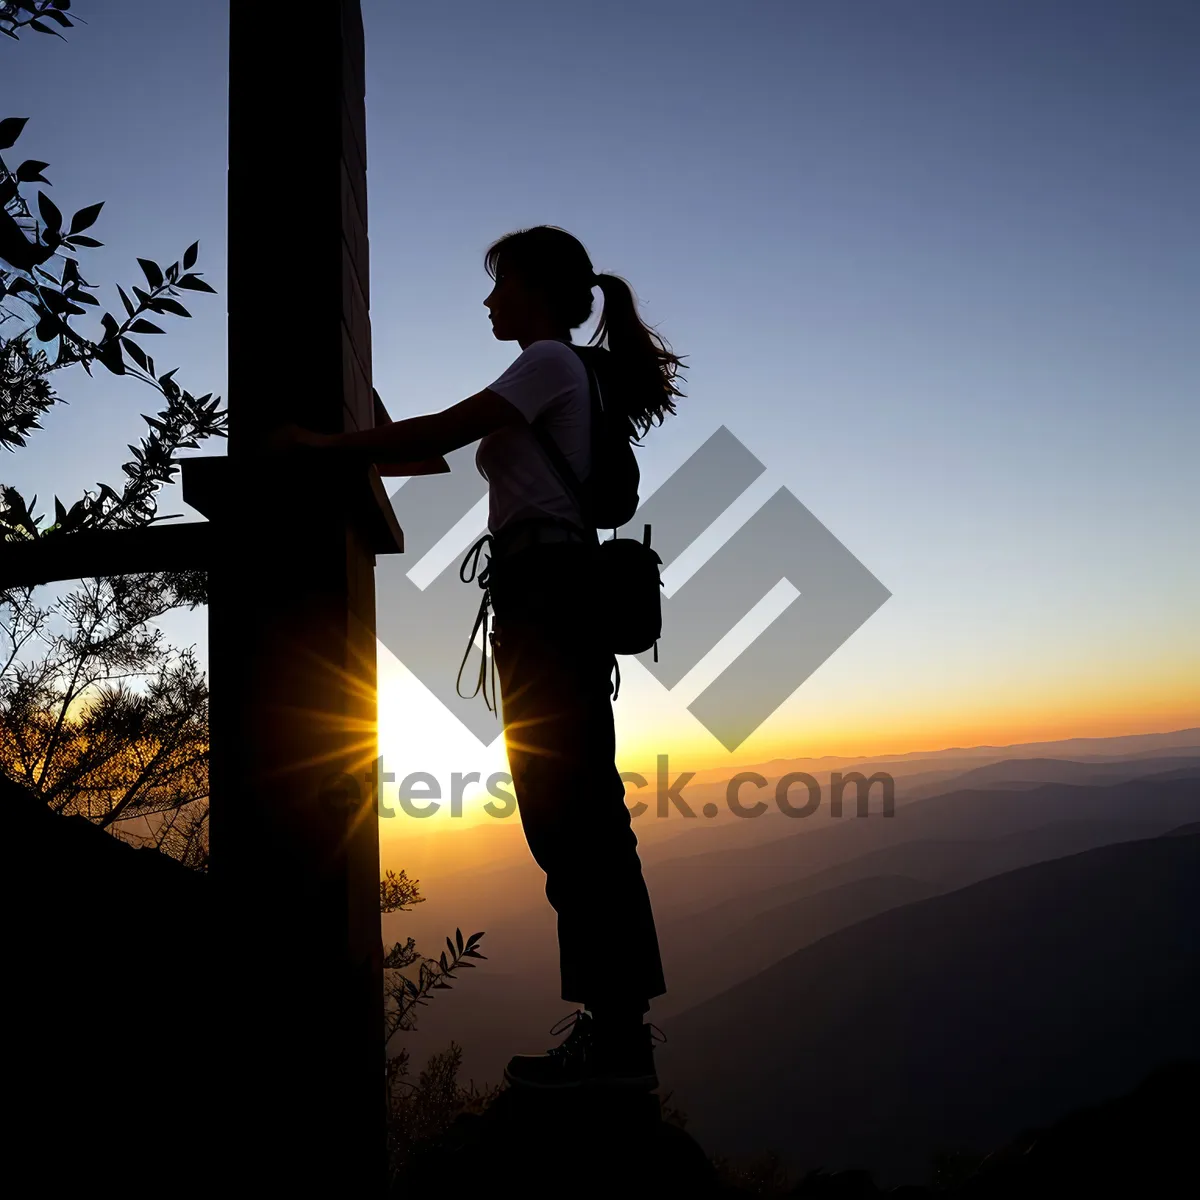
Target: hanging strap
(482,576)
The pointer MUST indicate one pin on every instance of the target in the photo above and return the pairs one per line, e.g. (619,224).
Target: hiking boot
(590,1057)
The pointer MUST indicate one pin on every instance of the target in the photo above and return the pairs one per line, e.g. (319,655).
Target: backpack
(628,577)
(610,492)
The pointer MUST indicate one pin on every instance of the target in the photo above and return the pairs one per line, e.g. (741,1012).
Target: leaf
(57,16)
(85,298)
(141,325)
(154,276)
(189,255)
(459,938)
(82,239)
(47,329)
(49,210)
(85,216)
(76,515)
(110,355)
(10,130)
(165,304)
(125,300)
(135,352)
(30,171)
(195,284)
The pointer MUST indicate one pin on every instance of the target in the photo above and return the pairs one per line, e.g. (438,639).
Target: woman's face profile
(510,305)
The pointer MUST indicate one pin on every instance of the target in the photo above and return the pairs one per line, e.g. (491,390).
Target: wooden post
(295,855)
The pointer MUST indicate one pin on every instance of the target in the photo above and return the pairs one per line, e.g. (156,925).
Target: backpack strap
(558,460)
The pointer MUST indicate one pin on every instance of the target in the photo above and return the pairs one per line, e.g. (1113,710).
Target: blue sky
(935,263)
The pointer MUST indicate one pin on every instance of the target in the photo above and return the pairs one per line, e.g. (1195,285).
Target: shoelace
(579,1019)
(569,1022)
(576,1022)
(482,576)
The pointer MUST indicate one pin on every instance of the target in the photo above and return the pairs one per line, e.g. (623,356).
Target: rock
(586,1143)
(838,1185)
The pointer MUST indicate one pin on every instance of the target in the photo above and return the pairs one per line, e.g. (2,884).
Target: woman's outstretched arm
(426,466)
(413,440)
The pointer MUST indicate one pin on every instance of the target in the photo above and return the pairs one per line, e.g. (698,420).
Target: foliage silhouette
(421,1110)
(398,893)
(98,715)
(40,16)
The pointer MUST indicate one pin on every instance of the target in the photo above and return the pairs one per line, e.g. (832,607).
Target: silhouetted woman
(555,675)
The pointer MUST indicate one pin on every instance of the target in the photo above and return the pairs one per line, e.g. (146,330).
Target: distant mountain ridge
(1134,745)
(954,1021)
(765,927)
(1031,772)
(969,814)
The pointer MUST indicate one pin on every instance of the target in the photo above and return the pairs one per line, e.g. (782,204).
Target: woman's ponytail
(642,362)
(639,367)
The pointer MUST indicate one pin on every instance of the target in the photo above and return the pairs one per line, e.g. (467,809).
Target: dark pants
(556,690)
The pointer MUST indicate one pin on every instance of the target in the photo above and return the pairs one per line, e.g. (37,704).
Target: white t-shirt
(548,380)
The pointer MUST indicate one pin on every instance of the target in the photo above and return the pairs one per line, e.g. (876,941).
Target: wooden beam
(232,490)
(91,554)
(293,819)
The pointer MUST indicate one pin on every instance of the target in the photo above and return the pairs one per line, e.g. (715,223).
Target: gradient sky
(934,263)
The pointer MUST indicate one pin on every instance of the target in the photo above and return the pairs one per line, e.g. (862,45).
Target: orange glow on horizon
(825,718)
